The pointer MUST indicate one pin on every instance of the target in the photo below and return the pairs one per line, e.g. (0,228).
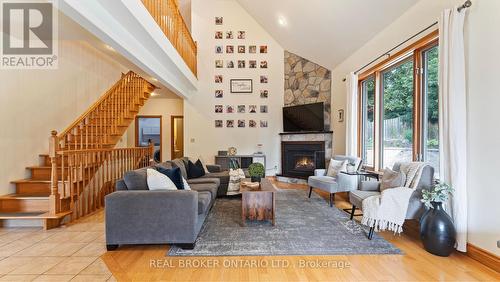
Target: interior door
(148,128)
(177,137)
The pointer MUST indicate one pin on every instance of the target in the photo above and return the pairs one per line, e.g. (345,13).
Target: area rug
(303,227)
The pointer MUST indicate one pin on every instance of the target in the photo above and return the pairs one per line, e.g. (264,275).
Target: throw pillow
(392,179)
(205,168)
(174,174)
(159,181)
(180,164)
(185,184)
(335,167)
(195,170)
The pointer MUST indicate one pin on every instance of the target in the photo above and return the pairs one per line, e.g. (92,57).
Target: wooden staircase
(82,164)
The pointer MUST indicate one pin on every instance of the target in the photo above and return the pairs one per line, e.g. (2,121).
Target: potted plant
(256,171)
(436,226)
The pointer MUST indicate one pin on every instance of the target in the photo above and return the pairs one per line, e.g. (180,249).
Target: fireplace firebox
(300,158)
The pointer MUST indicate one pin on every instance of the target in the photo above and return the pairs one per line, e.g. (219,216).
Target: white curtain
(453,117)
(351,115)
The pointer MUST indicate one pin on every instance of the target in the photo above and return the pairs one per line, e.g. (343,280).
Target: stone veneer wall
(307,82)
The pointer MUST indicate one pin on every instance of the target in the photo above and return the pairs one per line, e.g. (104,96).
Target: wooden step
(44,172)
(49,220)
(30,186)
(37,202)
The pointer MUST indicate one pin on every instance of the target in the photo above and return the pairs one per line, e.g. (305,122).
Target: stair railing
(167,15)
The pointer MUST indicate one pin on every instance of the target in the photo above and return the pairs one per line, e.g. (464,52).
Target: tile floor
(67,253)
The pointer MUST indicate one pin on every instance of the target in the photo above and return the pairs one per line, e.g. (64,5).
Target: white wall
(34,102)
(483,43)
(201,137)
(166,107)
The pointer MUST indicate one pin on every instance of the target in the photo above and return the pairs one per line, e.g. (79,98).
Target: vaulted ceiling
(325,31)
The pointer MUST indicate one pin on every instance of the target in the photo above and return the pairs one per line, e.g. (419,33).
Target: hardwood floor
(140,263)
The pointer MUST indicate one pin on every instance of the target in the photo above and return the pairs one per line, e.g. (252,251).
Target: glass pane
(368,102)
(149,130)
(397,128)
(431,108)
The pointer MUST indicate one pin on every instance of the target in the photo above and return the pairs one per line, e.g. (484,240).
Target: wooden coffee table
(258,204)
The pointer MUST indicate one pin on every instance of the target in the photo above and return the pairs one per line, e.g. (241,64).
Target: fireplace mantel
(306,132)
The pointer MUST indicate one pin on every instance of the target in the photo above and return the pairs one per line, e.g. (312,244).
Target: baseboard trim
(490,260)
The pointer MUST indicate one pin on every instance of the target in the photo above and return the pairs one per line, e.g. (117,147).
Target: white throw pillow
(185,184)
(159,181)
(335,167)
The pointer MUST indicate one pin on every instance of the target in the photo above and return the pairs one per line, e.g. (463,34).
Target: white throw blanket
(235,176)
(387,211)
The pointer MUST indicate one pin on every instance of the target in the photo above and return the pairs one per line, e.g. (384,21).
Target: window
(399,112)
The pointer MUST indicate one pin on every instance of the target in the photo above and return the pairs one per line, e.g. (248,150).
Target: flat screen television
(308,117)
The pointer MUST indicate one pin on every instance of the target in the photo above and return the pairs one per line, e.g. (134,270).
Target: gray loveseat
(136,215)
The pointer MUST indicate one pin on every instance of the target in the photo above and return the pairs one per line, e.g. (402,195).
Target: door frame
(137,130)
(172,119)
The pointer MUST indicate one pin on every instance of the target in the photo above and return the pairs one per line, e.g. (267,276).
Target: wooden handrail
(167,15)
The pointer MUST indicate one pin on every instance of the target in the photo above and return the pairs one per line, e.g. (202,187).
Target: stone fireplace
(300,158)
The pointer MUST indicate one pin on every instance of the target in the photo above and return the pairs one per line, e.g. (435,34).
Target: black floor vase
(437,231)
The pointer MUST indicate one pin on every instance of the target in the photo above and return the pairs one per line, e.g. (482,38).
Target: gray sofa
(136,215)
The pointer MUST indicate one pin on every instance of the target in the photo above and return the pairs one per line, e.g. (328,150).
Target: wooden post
(151,153)
(54,198)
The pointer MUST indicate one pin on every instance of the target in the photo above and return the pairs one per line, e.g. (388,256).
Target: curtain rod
(465,5)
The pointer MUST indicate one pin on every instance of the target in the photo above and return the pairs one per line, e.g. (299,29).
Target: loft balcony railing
(168,17)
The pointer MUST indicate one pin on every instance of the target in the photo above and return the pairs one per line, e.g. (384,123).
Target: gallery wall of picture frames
(234,42)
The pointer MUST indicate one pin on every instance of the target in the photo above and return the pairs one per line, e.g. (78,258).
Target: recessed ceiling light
(154,79)
(282,21)
(155,94)
(109,47)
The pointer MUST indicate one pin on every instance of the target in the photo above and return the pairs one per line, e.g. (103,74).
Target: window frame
(361,116)
(414,51)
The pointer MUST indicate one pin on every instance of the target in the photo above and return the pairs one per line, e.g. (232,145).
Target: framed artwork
(218,35)
(229,49)
(241,34)
(263,64)
(263,123)
(219,64)
(241,64)
(241,109)
(218,123)
(241,86)
(219,20)
(230,64)
(241,49)
(218,78)
(219,93)
(263,49)
(252,49)
(252,123)
(218,49)
(264,94)
(229,109)
(229,34)
(241,123)
(219,109)
(252,109)
(263,79)
(252,64)
(230,123)
(263,109)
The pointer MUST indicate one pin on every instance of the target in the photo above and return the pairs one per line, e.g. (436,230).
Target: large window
(399,118)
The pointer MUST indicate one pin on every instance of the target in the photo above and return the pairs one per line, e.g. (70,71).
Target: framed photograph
(252,49)
(230,123)
(263,79)
(219,109)
(219,20)
(218,123)
(263,49)
(241,109)
(252,64)
(252,109)
(263,123)
(241,34)
(219,64)
(230,64)
(219,49)
(241,49)
(263,64)
(219,93)
(218,35)
(252,123)
(241,86)
(264,94)
(218,78)
(230,49)
(241,123)
(241,64)
(229,109)
(229,34)
(263,109)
